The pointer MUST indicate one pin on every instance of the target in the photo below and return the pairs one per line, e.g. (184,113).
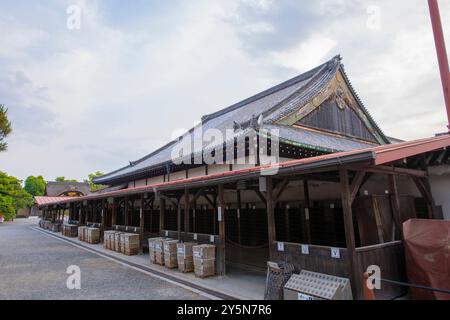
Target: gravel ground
(33,266)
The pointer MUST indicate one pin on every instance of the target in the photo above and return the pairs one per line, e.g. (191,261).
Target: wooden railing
(318,259)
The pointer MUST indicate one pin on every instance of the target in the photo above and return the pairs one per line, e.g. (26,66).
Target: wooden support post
(114,213)
(127,204)
(186,213)
(194,209)
(221,221)
(349,231)
(270,215)
(179,219)
(141,220)
(307,211)
(239,207)
(103,219)
(287,222)
(162,213)
(395,203)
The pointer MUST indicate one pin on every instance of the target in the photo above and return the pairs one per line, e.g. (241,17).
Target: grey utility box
(310,285)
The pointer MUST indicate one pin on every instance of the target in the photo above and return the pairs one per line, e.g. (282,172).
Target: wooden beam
(356,184)
(426,194)
(261,195)
(349,232)
(221,220)
(211,202)
(278,191)
(392,170)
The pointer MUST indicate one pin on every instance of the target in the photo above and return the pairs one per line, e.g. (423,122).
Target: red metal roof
(47,200)
(378,155)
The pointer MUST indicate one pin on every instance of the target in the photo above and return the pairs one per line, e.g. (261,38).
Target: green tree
(94,187)
(63,179)
(35,185)
(5,127)
(6,207)
(12,196)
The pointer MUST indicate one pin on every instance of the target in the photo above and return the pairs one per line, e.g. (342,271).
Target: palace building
(331,200)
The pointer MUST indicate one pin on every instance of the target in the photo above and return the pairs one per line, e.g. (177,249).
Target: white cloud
(307,54)
(109,93)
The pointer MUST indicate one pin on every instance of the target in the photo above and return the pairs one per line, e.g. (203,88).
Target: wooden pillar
(349,232)
(194,209)
(179,218)
(114,213)
(270,215)
(162,213)
(103,219)
(141,220)
(395,202)
(186,213)
(80,214)
(239,206)
(287,222)
(221,221)
(127,204)
(307,211)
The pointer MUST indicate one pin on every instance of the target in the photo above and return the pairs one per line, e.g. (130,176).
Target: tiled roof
(272,104)
(378,155)
(46,200)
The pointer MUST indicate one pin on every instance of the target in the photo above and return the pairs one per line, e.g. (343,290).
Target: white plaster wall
(154,180)
(140,183)
(218,168)
(178,175)
(440,187)
(197,172)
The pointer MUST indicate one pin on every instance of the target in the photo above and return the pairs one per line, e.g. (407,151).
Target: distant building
(66,189)
(55,190)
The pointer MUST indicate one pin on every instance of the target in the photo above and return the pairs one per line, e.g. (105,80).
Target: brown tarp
(427,254)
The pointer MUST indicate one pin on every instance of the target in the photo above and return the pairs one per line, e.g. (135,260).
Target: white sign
(219,214)
(302,296)
(280,246)
(181,250)
(197,254)
(335,253)
(211,238)
(307,213)
(195,236)
(167,233)
(305,249)
(332,205)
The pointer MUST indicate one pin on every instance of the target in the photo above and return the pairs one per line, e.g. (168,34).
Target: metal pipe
(441,53)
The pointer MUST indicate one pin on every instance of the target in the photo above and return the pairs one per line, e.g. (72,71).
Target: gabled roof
(56,188)
(271,104)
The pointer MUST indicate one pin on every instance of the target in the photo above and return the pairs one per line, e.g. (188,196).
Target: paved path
(33,266)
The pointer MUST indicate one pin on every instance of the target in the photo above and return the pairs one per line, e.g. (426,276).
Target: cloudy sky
(137,72)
